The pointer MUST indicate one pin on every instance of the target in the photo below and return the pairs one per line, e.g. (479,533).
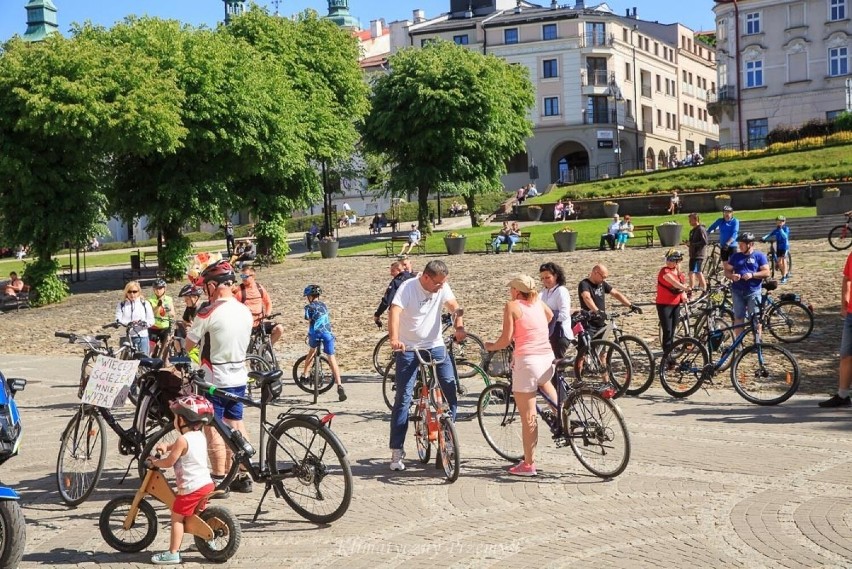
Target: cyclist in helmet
(746,268)
(781,235)
(190,295)
(671,293)
(729,228)
(222,329)
(164,316)
(319,329)
(188,455)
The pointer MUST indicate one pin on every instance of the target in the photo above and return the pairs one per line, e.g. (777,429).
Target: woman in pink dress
(525,319)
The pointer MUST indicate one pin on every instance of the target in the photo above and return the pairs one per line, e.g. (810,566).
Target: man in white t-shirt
(414,323)
(223,329)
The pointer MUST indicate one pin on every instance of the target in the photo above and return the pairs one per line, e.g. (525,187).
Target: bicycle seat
(770,284)
(102,337)
(153,363)
(262,378)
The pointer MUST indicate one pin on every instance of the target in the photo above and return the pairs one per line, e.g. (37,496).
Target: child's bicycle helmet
(190,290)
(193,408)
(312,290)
(219,272)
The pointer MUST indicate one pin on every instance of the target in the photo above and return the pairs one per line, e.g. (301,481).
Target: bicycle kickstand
(260,504)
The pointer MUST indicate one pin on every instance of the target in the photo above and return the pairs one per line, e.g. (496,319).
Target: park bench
(644,231)
(150,257)
(523,243)
(66,271)
(21,300)
(660,205)
(779,199)
(143,274)
(391,245)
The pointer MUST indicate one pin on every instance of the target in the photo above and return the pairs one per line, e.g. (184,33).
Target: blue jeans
(407,366)
(141,344)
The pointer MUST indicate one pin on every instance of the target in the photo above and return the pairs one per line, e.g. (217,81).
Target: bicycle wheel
(500,421)
(682,368)
(839,237)
(139,536)
(604,364)
(448,449)
(469,388)
(382,355)
(310,469)
(421,435)
(268,354)
(389,384)
(789,321)
(597,433)
(166,436)
(13,533)
(472,350)
(81,456)
(326,381)
(227,534)
(765,374)
(641,362)
(255,363)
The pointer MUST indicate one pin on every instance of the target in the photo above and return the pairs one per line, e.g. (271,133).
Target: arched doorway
(569,163)
(661,160)
(650,160)
(673,156)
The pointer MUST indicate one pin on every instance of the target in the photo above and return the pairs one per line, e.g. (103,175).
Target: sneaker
(836,401)
(241,484)
(341,395)
(523,469)
(222,493)
(784,279)
(166,558)
(396,463)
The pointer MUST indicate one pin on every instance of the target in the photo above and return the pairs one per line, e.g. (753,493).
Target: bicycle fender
(313,419)
(8,494)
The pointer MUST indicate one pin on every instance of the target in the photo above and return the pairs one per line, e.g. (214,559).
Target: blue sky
(697,14)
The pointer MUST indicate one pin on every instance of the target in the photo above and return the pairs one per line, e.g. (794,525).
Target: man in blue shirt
(746,269)
(781,234)
(729,228)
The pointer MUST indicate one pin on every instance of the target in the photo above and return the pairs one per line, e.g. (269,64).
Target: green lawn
(832,163)
(590,230)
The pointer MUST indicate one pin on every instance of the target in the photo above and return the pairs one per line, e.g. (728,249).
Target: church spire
(338,12)
(233,8)
(41,20)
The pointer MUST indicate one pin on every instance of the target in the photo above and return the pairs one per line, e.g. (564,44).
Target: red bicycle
(840,236)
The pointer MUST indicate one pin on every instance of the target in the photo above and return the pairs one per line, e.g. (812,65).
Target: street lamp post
(614,91)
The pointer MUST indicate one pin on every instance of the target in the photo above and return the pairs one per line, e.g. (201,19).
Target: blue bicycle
(764,374)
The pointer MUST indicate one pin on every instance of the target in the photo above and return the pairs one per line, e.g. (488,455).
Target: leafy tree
(448,115)
(64,106)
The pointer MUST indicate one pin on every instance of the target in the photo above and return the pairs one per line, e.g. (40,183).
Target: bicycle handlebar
(66,335)
(430,362)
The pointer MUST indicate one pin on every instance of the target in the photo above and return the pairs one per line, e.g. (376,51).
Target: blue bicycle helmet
(312,290)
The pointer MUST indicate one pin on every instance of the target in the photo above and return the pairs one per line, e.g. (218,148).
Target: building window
(758,130)
(548,32)
(838,61)
(597,110)
(510,35)
(628,73)
(550,68)
(831,115)
(754,73)
(595,34)
(461,40)
(753,23)
(551,106)
(837,10)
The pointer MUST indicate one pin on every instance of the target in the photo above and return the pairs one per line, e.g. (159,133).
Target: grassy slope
(833,163)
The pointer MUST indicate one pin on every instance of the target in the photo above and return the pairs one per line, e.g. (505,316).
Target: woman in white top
(134,308)
(555,296)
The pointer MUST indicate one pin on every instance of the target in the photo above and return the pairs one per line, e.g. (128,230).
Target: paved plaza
(713,482)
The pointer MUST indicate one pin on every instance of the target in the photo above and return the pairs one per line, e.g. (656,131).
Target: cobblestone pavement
(713,481)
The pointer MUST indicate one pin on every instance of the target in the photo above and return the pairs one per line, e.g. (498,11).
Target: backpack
(243,292)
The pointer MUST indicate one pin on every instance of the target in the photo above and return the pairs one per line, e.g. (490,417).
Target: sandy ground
(353,287)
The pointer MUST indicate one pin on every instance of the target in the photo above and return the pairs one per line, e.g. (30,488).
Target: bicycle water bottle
(432,427)
(240,441)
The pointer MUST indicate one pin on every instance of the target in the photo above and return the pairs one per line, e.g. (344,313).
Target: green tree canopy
(448,115)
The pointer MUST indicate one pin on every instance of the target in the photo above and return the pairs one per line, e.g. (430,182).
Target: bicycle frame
(739,339)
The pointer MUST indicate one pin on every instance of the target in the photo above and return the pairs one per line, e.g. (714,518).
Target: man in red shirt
(841,398)
(254,296)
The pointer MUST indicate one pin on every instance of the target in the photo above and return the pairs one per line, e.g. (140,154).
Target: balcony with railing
(723,100)
(596,78)
(597,40)
(646,90)
(600,116)
(687,89)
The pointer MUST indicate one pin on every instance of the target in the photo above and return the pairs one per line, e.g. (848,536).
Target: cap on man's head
(727,208)
(523,283)
(615,216)
(780,218)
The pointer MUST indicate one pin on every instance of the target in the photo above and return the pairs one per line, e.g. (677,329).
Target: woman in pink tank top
(525,320)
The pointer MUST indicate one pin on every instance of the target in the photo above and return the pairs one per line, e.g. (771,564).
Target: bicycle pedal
(414,418)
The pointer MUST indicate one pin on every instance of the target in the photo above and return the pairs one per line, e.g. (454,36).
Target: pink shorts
(186,504)
(530,371)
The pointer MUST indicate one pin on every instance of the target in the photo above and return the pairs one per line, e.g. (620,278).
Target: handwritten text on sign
(109,382)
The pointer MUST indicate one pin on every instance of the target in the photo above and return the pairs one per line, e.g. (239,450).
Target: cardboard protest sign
(109,382)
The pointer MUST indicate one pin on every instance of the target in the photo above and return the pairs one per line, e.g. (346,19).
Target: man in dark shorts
(592,292)
(698,240)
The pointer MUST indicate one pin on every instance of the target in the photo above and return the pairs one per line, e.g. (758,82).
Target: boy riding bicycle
(188,455)
(781,234)
(319,329)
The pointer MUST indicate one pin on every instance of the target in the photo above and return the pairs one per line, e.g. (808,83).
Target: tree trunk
(423,210)
(472,210)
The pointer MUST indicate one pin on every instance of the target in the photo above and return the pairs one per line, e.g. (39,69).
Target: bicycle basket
(717,296)
(499,363)
(790,296)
